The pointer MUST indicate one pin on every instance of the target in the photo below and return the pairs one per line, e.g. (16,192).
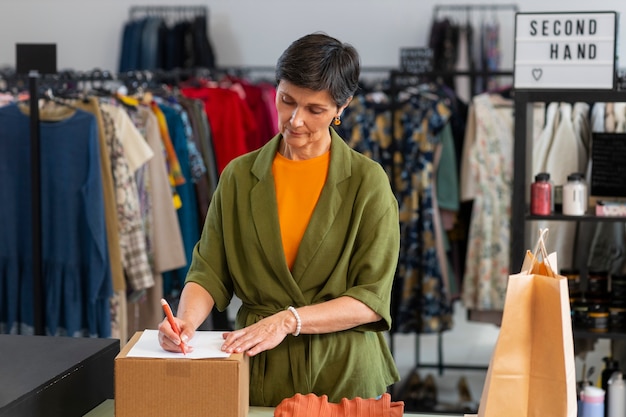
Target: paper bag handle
(540,248)
(541,244)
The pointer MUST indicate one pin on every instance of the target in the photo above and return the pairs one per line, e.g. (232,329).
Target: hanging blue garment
(75,262)
(132,46)
(188,213)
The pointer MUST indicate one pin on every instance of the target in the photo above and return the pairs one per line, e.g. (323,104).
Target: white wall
(246,32)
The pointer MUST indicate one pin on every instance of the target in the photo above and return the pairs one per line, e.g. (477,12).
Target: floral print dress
(490,158)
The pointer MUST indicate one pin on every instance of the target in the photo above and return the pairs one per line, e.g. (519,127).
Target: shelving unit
(584,218)
(522,174)
(522,166)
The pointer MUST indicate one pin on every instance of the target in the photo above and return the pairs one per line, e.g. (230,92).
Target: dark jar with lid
(580,313)
(573,282)
(598,285)
(617,316)
(618,288)
(541,195)
(598,318)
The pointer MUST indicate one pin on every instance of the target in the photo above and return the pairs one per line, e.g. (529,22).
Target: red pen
(170,318)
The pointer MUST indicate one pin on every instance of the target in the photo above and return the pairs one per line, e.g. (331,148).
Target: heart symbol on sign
(537,73)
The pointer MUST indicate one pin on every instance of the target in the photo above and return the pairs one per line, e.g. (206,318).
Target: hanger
(49,96)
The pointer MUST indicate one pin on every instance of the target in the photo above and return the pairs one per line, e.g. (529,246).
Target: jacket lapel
(265,210)
(326,209)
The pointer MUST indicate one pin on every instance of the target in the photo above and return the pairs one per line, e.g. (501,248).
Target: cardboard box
(180,387)
(54,376)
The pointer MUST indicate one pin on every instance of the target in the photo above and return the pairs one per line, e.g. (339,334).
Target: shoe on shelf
(466,403)
(429,395)
(410,391)
(465,396)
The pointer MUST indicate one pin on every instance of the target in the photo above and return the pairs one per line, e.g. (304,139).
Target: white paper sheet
(206,344)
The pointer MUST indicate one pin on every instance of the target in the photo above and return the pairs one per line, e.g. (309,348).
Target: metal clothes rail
(474,7)
(151,10)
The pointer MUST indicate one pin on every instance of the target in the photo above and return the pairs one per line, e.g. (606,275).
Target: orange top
(298,186)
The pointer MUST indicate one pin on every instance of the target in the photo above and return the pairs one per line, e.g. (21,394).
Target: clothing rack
(467,12)
(399,80)
(411,393)
(32,60)
(36,216)
(415,395)
(72,82)
(31,80)
(144,78)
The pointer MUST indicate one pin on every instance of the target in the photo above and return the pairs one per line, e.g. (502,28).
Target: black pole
(35,163)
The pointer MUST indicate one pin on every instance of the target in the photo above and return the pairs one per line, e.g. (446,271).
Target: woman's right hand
(194,307)
(169,340)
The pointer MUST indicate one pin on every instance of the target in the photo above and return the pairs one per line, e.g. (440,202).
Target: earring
(337,121)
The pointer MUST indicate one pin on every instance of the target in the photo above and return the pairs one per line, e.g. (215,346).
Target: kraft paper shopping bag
(532,370)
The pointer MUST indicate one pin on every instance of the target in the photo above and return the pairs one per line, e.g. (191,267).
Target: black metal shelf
(589,334)
(583,218)
(545,96)
(522,166)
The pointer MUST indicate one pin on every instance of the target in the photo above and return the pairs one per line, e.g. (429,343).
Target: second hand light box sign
(565,50)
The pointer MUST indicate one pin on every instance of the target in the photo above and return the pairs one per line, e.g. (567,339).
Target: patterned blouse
(404,141)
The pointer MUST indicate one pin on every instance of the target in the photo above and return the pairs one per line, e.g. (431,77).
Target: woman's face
(304,115)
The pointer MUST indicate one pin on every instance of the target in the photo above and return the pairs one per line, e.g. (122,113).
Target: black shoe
(429,393)
(411,391)
(465,396)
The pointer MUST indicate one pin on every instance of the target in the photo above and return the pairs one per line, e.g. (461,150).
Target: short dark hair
(320,62)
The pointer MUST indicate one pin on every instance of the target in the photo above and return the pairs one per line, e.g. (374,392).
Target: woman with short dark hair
(305,232)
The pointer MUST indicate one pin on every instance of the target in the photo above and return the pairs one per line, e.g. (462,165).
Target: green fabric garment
(350,248)
(448,194)
(447,173)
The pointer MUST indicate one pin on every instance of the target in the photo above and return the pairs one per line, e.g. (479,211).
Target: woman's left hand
(263,335)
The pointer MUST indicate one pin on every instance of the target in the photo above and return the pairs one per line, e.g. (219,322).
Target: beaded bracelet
(298,320)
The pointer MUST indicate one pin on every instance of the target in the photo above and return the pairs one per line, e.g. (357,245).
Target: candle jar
(573,282)
(575,195)
(617,316)
(598,286)
(598,318)
(541,195)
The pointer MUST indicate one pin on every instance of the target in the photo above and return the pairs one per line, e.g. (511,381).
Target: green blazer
(350,248)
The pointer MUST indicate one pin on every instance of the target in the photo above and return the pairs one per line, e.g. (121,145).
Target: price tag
(416,60)
(40,57)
